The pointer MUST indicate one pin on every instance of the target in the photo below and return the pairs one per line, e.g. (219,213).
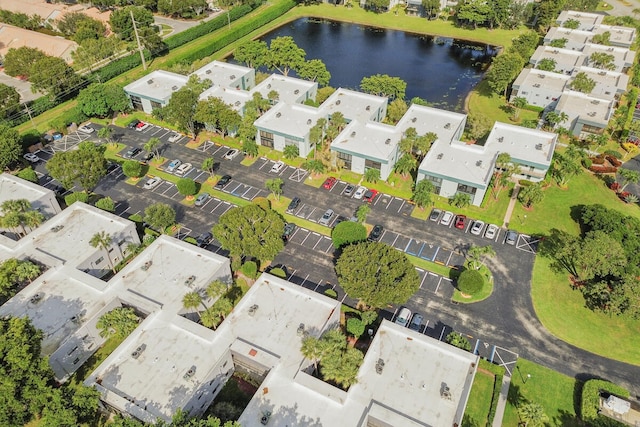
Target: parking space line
(423,277)
(378,198)
(402,205)
(305,279)
(394,240)
(407,247)
(305,239)
(248,189)
(439,282)
(216,206)
(314,246)
(421,248)
(449,259)
(436,254)
(291,275)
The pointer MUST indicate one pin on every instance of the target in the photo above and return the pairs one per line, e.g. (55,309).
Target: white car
(173,165)
(231,154)
(359,192)
(31,157)
(277,167)
(183,169)
(477,227)
(491,231)
(447,217)
(152,183)
(175,136)
(86,128)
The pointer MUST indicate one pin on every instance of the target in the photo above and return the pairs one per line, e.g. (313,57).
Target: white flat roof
(563,57)
(289,119)
(523,144)
(13,188)
(353,105)
(222,73)
(424,119)
(290,89)
(608,83)
(369,139)
(235,98)
(622,55)
(467,163)
(587,20)
(619,35)
(158,85)
(573,36)
(534,78)
(587,107)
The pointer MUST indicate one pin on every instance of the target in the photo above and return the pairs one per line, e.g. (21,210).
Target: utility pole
(135,30)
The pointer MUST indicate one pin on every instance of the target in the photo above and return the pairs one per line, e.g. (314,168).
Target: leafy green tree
(431,8)
(9,100)
(460,200)
(121,24)
(406,164)
(530,195)
(355,327)
(132,168)
(54,77)
(103,241)
(285,55)
(253,53)
(602,60)
(182,8)
(250,231)
(378,5)
(475,254)
(209,165)
(15,273)
(628,176)
(603,38)
(532,414)
(120,321)
(22,20)
(314,166)
(291,152)
(525,44)
(456,339)
(504,68)
(181,108)
(19,62)
(474,12)
(423,193)
(348,232)
(105,133)
(372,175)
(160,216)
(314,70)
(362,212)
(247,133)
(384,85)
(102,100)
(397,108)
(470,282)
(478,126)
(392,282)
(572,24)
(28,174)
(20,213)
(80,27)
(106,204)
(275,186)
(153,146)
(10,148)
(187,186)
(546,64)
(92,51)
(582,83)
(518,104)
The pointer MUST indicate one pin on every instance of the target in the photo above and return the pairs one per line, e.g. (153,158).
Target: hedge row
(603,169)
(590,402)
(236,33)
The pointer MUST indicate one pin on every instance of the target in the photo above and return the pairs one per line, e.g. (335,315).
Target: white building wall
(211,386)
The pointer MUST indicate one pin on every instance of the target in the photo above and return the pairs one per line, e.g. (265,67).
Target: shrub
(79,196)
(331,293)
(191,240)
(355,326)
(236,263)
(187,187)
(470,282)
(278,272)
(136,218)
(348,232)
(132,169)
(457,340)
(587,163)
(263,202)
(613,153)
(28,174)
(603,169)
(599,160)
(614,161)
(629,147)
(106,204)
(590,402)
(250,269)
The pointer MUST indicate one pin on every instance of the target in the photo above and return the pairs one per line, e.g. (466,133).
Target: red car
(329,183)
(460,221)
(370,195)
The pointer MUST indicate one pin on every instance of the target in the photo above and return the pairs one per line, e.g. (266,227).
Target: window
(155,105)
(370,164)
(288,142)
(136,102)
(467,189)
(346,158)
(99,260)
(266,139)
(437,183)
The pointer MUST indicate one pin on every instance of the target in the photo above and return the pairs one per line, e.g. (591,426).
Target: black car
(204,239)
(339,219)
(223,181)
(146,157)
(111,166)
(133,123)
(289,228)
(294,204)
(132,152)
(376,233)
(59,190)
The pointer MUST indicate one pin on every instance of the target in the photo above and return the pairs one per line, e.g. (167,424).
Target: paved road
(507,319)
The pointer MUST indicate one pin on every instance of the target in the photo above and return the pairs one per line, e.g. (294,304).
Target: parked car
(416,322)
(491,231)
(229,155)
(339,219)
(376,233)
(435,215)
(476,228)
(360,192)
(293,205)
(132,152)
(403,316)
(370,195)
(57,136)
(277,167)
(204,239)
(183,169)
(111,166)
(329,183)
(289,228)
(202,199)
(33,158)
(511,237)
(223,181)
(59,190)
(146,157)
(460,219)
(142,126)
(326,218)
(446,219)
(133,123)
(348,190)
(173,165)
(175,137)
(152,183)
(86,128)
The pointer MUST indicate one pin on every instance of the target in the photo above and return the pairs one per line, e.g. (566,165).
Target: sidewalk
(512,204)
(502,401)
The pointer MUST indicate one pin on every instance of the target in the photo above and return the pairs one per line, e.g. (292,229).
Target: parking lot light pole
(526,379)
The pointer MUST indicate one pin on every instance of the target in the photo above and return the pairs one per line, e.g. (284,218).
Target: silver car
(491,231)
(476,228)
(447,217)
(326,218)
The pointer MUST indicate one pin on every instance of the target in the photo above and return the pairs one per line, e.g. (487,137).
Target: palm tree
(222,307)
(312,350)
(191,300)
(152,145)
(406,164)
(209,165)
(532,414)
(33,219)
(18,213)
(518,104)
(120,321)
(209,318)
(103,240)
(216,288)
(105,133)
(628,176)
(475,254)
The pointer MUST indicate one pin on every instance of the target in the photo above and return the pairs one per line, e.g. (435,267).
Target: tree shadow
(515,397)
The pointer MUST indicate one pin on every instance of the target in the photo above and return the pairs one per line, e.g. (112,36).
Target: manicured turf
(551,389)
(484,102)
(479,402)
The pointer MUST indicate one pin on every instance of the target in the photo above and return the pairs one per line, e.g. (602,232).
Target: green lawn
(491,105)
(479,402)
(551,389)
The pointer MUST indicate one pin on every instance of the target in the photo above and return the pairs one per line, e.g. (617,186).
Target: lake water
(441,70)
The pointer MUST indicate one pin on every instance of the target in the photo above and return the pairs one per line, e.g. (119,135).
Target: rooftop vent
(308,121)
(237,103)
(190,280)
(174,87)
(253,309)
(353,134)
(338,102)
(447,126)
(138,351)
(445,392)
(232,77)
(379,366)
(146,265)
(542,76)
(591,114)
(539,147)
(440,156)
(479,163)
(368,107)
(300,330)
(75,318)
(388,141)
(191,372)
(36,298)
(595,102)
(413,119)
(297,91)
(555,51)
(208,72)
(602,73)
(500,138)
(610,49)
(269,86)
(57,228)
(150,81)
(536,85)
(278,114)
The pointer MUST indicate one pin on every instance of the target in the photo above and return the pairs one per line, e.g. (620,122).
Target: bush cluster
(590,402)
(603,169)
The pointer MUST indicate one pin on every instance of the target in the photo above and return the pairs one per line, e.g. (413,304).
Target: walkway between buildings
(502,401)
(512,204)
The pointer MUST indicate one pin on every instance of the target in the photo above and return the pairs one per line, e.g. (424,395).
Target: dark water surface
(441,70)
